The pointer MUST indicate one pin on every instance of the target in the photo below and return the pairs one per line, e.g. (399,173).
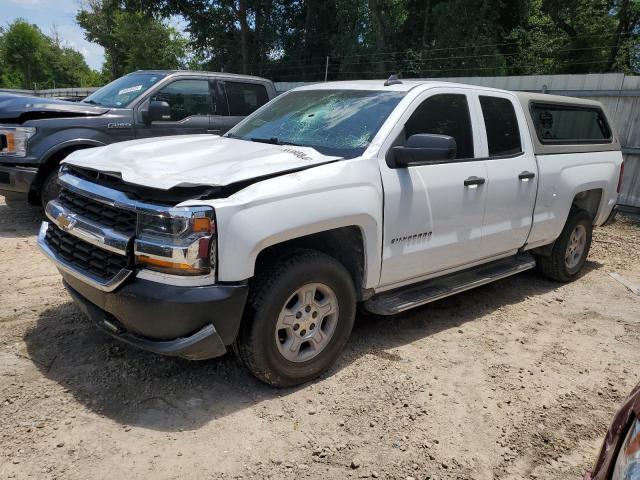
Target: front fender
(342,194)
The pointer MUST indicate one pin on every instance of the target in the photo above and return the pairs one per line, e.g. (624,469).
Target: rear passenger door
(191,105)
(234,101)
(512,174)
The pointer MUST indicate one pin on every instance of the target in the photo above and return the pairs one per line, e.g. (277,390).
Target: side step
(405,298)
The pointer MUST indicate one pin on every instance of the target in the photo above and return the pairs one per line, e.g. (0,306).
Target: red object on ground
(623,420)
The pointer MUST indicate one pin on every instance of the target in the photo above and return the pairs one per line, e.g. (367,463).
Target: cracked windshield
(340,123)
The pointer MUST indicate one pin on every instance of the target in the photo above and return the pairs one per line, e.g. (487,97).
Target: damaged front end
(179,193)
(170,197)
(144,272)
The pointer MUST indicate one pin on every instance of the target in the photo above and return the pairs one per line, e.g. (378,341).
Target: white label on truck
(130,90)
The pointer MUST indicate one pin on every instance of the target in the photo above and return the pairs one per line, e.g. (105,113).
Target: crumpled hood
(195,160)
(19,108)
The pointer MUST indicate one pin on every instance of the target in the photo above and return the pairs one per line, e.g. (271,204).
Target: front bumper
(194,322)
(15,182)
(168,320)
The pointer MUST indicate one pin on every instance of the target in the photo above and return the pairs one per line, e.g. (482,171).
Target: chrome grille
(121,220)
(84,256)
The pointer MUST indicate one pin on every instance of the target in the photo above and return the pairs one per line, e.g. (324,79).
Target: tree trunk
(309,39)
(426,25)
(623,25)
(261,11)
(244,34)
(380,28)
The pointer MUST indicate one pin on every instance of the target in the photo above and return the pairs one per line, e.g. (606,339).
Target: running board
(411,296)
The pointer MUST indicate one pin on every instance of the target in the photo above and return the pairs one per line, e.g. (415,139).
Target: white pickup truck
(389,194)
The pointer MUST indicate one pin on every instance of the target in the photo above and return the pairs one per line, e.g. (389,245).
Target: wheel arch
(345,244)
(589,200)
(52,159)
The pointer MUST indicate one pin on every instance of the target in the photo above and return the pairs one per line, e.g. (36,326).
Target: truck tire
(570,250)
(50,188)
(299,316)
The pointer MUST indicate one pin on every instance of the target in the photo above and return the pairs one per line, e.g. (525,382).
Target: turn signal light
(169,267)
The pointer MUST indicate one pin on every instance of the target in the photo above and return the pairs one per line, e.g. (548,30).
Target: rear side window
(501,124)
(567,124)
(245,98)
(445,114)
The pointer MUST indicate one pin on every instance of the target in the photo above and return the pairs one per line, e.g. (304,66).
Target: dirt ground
(518,379)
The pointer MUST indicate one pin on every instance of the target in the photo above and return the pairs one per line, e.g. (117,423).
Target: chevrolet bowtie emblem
(66,222)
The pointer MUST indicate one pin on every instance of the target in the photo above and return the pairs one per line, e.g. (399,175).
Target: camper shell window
(557,124)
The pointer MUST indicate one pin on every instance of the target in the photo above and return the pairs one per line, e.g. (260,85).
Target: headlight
(627,465)
(178,241)
(13,140)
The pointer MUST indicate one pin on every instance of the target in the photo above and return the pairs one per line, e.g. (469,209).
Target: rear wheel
(570,251)
(301,312)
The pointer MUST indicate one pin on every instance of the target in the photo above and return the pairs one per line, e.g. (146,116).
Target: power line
(420,61)
(467,69)
(487,68)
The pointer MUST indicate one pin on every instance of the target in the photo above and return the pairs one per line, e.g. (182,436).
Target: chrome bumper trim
(96,282)
(109,196)
(86,230)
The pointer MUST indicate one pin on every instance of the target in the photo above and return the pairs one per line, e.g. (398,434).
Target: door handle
(474,181)
(526,176)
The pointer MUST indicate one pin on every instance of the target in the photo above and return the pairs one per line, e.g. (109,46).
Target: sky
(47,13)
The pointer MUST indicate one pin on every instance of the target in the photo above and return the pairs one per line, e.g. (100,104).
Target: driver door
(434,214)
(191,106)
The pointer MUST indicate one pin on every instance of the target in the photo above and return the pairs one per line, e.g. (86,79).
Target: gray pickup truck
(37,133)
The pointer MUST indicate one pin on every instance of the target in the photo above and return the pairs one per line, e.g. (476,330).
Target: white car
(390,194)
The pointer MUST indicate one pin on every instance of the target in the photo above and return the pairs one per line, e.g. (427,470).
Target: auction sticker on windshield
(124,91)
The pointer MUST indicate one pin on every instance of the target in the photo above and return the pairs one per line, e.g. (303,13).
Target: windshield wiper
(275,141)
(271,140)
(91,102)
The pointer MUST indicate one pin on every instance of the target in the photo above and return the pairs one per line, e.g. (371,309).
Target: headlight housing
(177,241)
(13,140)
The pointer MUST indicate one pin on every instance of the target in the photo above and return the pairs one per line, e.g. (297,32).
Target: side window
(187,98)
(567,124)
(245,98)
(445,114)
(501,124)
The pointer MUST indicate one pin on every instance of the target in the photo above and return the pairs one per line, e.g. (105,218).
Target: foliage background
(290,40)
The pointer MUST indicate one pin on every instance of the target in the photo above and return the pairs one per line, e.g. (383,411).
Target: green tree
(290,39)
(578,36)
(30,59)
(25,53)
(132,39)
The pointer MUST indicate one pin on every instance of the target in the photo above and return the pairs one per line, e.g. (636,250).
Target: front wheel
(301,312)
(50,188)
(569,253)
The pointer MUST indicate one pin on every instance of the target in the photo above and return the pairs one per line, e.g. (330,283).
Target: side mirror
(424,149)
(158,111)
